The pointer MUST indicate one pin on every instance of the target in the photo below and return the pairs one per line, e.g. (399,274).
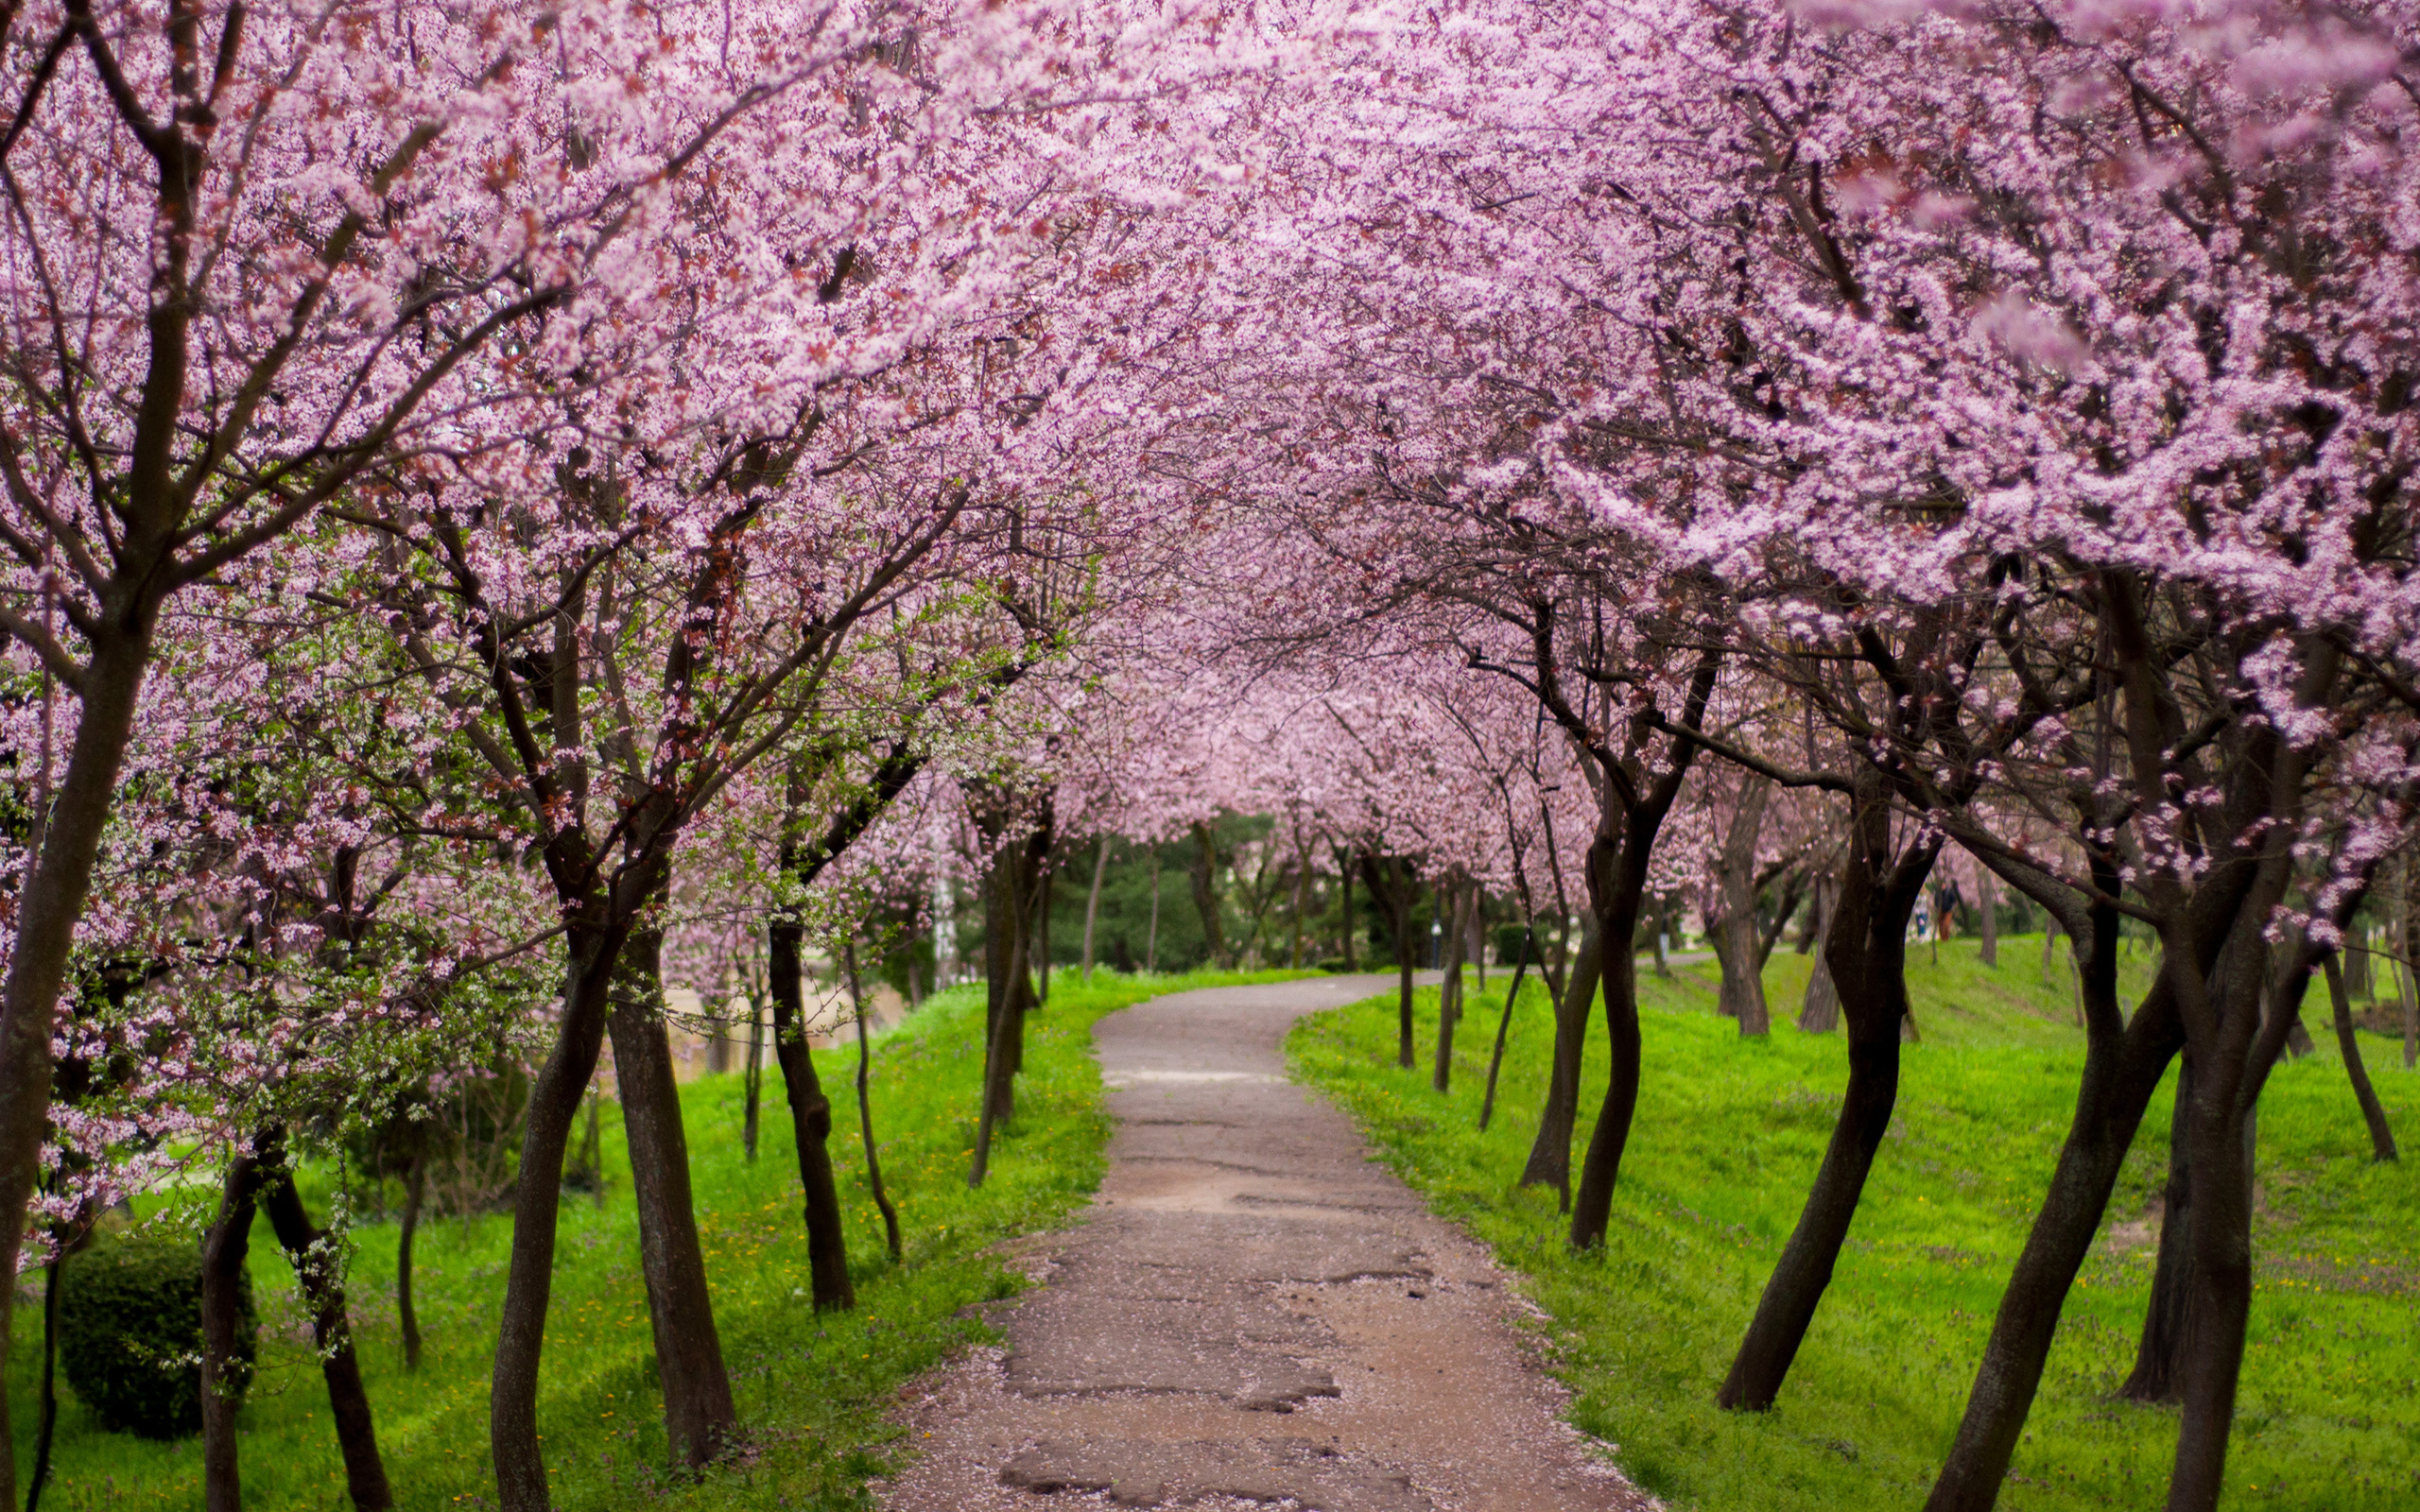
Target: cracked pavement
(1251,1313)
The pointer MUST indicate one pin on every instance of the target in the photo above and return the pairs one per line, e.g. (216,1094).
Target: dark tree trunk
(1550,1163)
(2167,1318)
(2124,1062)
(1009,901)
(1449,993)
(46,1427)
(1866,947)
(1345,870)
(752,1077)
(865,1103)
(555,1096)
(2211,1359)
(827,1253)
(50,906)
(312,1252)
(701,1422)
(1206,893)
(2381,1136)
(1615,899)
(1733,935)
(1504,1025)
(1987,903)
(415,1185)
(224,1373)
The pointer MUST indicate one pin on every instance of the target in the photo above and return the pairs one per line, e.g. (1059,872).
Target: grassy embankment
(813,1390)
(1729,1133)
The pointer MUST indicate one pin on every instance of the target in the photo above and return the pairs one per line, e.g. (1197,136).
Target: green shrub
(129,1333)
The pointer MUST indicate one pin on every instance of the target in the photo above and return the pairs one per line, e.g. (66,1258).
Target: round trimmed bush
(129,1333)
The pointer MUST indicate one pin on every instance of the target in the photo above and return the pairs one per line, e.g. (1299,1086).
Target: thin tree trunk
(592,1147)
(1617,887)
(2169,1316)
(1550,1163)
(1449,992)
(1206,893)
(224,1373)
(1734,935)
(2381,1136)
(415,1184)
(1043,882)
(753,1078)
(1091,903)
(555,1096)
(1819,1011)
(1008,902)
(2124,1063)
(1988,905)
(827,1250)
(700,1421)
(312,1252)
(1504,1025)
(1344,868)
(47,1425)
(1867,948)
(865,1097)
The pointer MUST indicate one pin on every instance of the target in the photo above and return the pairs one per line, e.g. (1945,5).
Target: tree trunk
(1616,885)
(865,1099)
(415,1184)
(2169,1316)
(555,1095)
(1344,868)
(1206,893)
(1091,903)
(2381,1136)
(313,1254)
(752,1076)
(1449,992)
(1987,904)
(223,1372)
(1733,935)
(2211,1360)
(827,1250)
(46,1427)
(1550,1163)
(49,906)
(700,1423)
(1866,947)
(1043,884)
(1504,1025)
(2049,946)
(1008,902)
(1819,1011)
(2123,1064)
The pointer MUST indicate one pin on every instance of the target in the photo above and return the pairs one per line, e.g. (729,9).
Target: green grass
(813,1390)
(1728,1134)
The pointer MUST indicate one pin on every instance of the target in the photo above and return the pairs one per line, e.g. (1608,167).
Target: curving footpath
(1251,1313)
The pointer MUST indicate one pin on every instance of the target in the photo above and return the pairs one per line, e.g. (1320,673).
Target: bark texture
(2381,1136)
(1550,1163)
(700,1421)
(223,1373)
(1866,948)
(827,1251)
(312,1252)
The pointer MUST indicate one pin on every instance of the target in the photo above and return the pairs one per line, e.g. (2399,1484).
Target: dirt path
(1253,1311)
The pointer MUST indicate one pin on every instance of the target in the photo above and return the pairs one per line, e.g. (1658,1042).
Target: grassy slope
(1729,1132)
(811,1389)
